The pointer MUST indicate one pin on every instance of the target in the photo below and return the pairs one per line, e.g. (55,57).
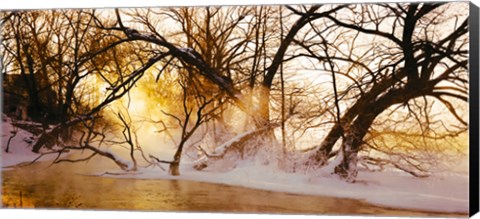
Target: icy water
(61,186)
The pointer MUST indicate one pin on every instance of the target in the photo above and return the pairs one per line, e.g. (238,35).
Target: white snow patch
(20,150)
(221,149)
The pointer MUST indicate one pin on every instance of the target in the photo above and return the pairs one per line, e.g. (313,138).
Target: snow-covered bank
(439,193)
(19,149)
(444,192)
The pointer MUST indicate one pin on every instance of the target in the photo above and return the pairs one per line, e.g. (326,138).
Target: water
(66,186)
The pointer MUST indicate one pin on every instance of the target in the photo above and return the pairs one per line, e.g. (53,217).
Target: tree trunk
(174,166)
(264,105)
(53,134)
(351,145)
(264,120)
(35,104)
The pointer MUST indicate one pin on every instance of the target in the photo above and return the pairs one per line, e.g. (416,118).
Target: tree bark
(174,166)
(351,145)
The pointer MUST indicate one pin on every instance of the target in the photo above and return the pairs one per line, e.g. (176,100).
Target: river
(66,186)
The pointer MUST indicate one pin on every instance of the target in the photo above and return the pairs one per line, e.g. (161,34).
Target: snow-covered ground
(444,192)
(20,150)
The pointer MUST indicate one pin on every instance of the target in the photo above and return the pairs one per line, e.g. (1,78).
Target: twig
(160,161)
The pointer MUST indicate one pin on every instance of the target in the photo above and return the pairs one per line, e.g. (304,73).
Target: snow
(221,149)
(117,158)
(445,191)
(20,150)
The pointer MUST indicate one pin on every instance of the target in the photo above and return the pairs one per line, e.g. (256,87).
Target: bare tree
(193,114)
(418,63)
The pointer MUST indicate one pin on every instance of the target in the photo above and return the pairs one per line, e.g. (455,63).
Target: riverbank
(445,193)
(59,187)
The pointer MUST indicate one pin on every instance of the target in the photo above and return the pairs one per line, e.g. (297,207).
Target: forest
(355,87)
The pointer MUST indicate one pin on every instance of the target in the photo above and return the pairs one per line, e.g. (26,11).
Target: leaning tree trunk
(352,142)
(48,138)
(354,134)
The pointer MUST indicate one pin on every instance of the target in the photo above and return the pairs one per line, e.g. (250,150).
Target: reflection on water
(60,186)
